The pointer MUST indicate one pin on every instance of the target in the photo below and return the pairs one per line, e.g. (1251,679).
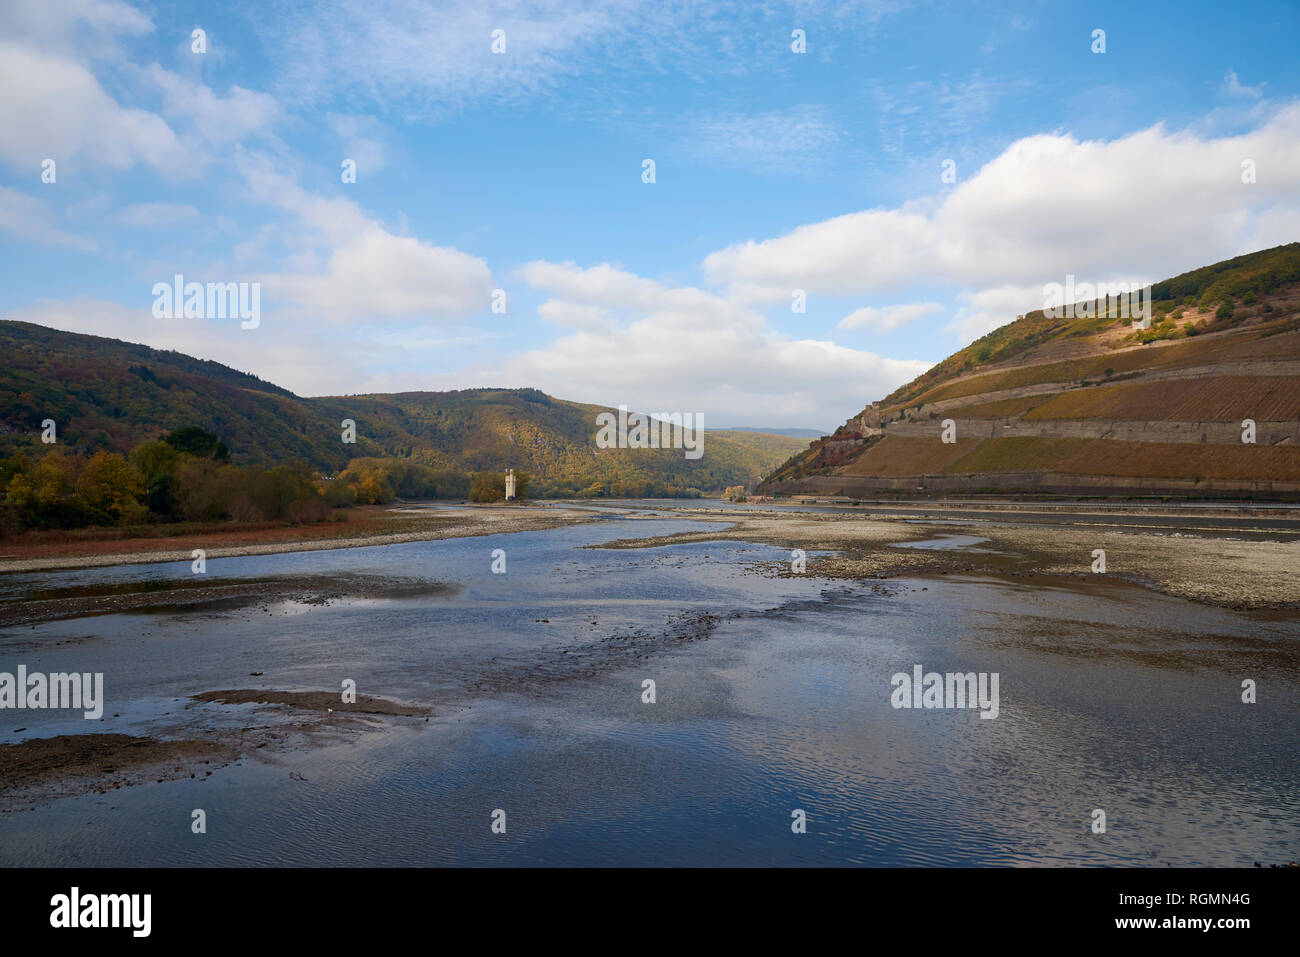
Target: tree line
(187,475)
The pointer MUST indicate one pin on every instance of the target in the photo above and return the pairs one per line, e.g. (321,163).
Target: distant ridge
(793,433)
(112,395)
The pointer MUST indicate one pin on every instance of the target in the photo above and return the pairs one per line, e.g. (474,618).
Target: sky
(843,193)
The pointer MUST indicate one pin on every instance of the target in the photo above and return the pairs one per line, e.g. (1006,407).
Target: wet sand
(327,701)
(40,770)
(200,595)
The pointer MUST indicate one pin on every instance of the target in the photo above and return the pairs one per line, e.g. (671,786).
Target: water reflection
(772,694)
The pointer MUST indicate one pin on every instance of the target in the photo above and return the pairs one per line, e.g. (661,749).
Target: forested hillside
(105,395)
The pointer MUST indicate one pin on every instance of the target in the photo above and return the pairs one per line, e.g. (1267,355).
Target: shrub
(487,487)
(199,443)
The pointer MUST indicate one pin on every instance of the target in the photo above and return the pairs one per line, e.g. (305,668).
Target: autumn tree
(199,443)
(487,487)
(111,488)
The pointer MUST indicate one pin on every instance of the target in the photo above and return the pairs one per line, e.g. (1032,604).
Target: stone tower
(510,485)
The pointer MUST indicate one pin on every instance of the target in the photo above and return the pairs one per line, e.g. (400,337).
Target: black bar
(336,906)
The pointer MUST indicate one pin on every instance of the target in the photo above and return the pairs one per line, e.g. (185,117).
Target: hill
(1091,405)
(793,433)
(105,394)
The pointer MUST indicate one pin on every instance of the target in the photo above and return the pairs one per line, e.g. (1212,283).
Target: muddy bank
(539,674)
(199,595)
(40,770)
(1208,567)
(402,524)
(324,701)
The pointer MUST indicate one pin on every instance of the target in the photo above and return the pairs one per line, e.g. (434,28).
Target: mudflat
(1249,567)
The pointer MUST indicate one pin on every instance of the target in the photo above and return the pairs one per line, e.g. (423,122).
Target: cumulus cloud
(379,274)
(667,348)
(56,60)
(94,24)
(66,113)
(219,120)
(348,266)
(1050,204)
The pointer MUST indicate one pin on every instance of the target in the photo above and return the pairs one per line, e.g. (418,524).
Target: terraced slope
(1094,406)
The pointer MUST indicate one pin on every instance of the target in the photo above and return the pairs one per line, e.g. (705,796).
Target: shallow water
(1110,697)
(945,543)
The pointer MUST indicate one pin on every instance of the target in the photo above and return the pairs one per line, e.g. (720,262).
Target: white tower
(510,484)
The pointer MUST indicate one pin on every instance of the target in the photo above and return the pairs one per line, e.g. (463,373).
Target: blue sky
(775,171)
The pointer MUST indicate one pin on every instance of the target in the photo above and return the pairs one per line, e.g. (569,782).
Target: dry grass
(896,455)
(1221,399)
(1018,454)
(1246,344)
(1132,459)
(1003,408)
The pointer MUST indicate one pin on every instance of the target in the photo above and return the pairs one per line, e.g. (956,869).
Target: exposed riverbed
(523,692)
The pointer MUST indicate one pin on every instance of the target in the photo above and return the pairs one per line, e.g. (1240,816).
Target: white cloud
(96,22)
(1155,202)
(574,315)
(888,318)
(348,266)
(30,219)
(362,139)
(219,120)
(984,310)
(52,106)
(1235,87)
(685,349)
(379,274)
